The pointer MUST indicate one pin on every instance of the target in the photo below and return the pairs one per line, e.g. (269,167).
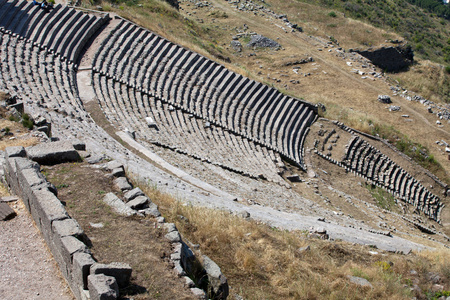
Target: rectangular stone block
(46,208)
(67,227)
(120,271)
(53,153)
(67,247)
(27,180)
(81,265)
(102,287)
(16,151)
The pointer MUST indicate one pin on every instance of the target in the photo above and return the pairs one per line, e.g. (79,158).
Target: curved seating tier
(182,131)
(365,160)
(205,89)
(62,30)
(28,70)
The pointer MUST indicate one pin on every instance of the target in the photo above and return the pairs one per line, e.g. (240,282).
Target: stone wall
(391,59)
(63,235)
(66,239)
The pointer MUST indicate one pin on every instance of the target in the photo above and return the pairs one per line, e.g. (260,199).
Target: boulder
(120,271)
(359,281)
(53,153)
(259,41)
(102,287)
(384,99)
(130,195)
(218,284)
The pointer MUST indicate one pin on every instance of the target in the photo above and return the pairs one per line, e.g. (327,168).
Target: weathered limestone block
(130,195)
(152,210)
(114,164)
(118,172)
(122,184)
(67,227)
(218,284)
(138,202)
(11,166)
(102,287)
(81,267)
(16,151)
(64,250)
(173,237)
(45,209)
(53,153)
(120,271)
(118,205)
(80,271)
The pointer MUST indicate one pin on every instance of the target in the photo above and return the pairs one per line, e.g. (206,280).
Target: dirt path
(27,269)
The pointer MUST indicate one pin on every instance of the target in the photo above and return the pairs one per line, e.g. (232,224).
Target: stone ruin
(166,96)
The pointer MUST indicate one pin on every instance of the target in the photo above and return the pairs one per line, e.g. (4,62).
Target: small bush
(447,69)
(27,122)
(332,14)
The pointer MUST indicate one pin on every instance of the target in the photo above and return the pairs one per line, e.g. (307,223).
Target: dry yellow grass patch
(428,79)
(261,262)
(20,137)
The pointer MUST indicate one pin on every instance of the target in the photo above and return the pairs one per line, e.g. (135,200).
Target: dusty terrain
(26,264)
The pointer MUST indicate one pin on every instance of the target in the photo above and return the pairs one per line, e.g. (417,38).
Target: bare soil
(137,241)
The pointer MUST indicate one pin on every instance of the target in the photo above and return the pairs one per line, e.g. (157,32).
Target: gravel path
(27,269)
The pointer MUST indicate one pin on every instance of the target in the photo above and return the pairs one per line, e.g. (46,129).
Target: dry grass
(19,135)
(3,190)
(261,262)
(350,33)
(428,79)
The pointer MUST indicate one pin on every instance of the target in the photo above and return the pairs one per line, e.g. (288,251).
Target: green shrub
(332,14)
(447,69)
(27,122)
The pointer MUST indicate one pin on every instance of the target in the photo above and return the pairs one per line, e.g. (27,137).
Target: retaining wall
(63,235)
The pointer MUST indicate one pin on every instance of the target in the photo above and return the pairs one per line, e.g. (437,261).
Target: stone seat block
(16,151)
(64,250)
(118,205)
(53,153)
(122,184)
(130,195)
(138,202)
(81,264)
(102,287)
(120,271)
(46,208)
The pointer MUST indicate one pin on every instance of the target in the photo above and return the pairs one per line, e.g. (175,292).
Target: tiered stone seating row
(189,81)
(182,131)
(30,71)
(62,30)
(368,162)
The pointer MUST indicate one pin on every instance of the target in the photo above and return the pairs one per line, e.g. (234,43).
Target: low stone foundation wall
(63,235)
(67,240)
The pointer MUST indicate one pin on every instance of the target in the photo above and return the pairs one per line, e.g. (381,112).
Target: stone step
(14,13)
(25,20)
(53,24)
(62,20)
(35,32)
(70,37)
(8,9)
